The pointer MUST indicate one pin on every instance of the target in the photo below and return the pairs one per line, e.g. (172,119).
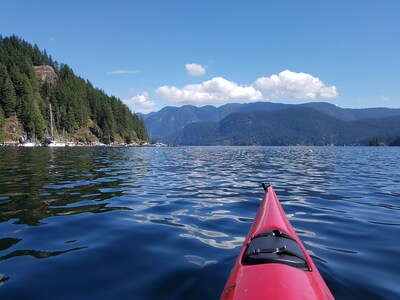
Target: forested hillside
(296,125)
(167,123)
(31,82)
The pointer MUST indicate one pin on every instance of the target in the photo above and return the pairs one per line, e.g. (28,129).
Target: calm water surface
(168,223)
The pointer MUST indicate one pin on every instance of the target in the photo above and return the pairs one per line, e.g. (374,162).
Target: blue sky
(153,53)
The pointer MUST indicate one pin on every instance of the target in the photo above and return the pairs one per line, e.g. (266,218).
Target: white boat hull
(55,144)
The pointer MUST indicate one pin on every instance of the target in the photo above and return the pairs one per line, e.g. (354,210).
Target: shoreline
(72,144)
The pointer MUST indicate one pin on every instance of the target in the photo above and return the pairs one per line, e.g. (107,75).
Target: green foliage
(7,93)
(1,124)
(75,103)
(28,111)
(1,117)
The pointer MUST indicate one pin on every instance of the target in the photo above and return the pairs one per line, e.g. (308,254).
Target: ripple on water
(168,222)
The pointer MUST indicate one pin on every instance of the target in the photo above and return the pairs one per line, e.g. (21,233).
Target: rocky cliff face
(46,74)
(13,130)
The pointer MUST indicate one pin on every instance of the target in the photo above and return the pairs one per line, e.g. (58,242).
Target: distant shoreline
(145,144)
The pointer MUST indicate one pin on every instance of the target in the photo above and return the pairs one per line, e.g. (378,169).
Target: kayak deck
(273,263)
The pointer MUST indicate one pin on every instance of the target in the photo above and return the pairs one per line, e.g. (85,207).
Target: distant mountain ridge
(169,124)
(298,125)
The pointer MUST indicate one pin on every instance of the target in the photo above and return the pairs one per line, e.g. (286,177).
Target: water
(168,223)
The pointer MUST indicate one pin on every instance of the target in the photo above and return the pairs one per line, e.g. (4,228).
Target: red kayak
(273,263)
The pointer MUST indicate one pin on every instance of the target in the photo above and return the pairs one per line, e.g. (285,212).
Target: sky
(156,53)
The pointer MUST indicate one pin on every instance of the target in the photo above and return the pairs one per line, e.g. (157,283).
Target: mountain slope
(31,82)
(166,124)
(297,125)
(163,125)
(351,114)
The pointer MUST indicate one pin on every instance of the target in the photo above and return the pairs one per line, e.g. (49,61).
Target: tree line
(76,104)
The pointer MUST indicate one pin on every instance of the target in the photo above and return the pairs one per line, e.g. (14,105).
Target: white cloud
(216,90)
(140,102)
(297,85)
(195,69)
(117,72)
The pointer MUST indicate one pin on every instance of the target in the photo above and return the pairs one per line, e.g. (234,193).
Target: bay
(168,223)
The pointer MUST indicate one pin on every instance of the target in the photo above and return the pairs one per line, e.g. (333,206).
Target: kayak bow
(273,263)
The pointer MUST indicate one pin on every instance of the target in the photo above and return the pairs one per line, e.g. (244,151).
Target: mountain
(31,82)
(296,125)
(166,124)
(351,114)
(163,125)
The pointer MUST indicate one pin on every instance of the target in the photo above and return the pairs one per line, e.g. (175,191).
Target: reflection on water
(37,254)
(185,210)
(199,261)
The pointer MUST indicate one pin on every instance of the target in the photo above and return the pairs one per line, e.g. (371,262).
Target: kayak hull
(274,280)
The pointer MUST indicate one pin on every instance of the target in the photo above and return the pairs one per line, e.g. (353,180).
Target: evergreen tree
(7,94)
(2,121)
(37,56)
(36,125)
(1,117)
(17,80)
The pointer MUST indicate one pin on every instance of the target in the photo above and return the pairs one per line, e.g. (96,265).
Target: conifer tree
(7,94)
(1,124)
(1,117)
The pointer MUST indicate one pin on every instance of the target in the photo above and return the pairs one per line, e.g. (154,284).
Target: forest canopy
(79,110)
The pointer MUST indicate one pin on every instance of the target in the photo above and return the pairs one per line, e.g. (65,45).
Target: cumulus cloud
(216,90)
(195,69)
(298,85)
(117,72)
(140,102)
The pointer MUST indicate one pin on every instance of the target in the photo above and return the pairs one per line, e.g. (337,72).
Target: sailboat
(50,141)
